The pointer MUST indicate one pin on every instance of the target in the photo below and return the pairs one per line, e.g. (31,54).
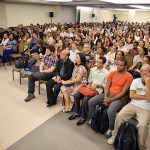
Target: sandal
(71,109)
(66,110)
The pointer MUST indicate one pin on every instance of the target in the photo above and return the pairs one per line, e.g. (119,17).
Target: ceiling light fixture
(84,8)
(139,7)
(58,0)
(127,1)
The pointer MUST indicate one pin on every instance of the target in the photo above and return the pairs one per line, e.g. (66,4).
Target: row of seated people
(9,44)
(100,38)
(90,56)
(62,74)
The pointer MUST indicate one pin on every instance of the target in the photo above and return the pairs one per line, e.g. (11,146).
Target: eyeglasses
(145,71)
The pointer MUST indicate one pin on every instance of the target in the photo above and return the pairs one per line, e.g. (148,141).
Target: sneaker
(29,97)
(89,123)
(108,134)
(111,140)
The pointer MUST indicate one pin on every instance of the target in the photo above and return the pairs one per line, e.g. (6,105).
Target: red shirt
(117,84)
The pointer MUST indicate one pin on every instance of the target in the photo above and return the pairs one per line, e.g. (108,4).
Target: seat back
(1,50)
(21,48)
(36,56)
(129,60)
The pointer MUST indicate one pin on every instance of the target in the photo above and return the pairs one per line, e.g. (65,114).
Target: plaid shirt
(49,61)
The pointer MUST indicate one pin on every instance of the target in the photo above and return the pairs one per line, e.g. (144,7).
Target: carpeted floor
(58,133)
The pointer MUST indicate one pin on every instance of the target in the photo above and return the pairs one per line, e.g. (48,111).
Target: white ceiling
(92,3)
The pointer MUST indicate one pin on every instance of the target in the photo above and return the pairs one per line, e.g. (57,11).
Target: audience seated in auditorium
(115,93)
(139,107)
(96,81)
(44,72)
(63,71)
(79,77)
(90,38)
(9,48)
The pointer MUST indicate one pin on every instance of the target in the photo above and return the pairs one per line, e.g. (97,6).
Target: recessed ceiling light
(128,1)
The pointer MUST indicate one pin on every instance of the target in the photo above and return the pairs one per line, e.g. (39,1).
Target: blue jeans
(6,53)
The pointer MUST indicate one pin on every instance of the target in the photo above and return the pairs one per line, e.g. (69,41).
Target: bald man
(139,107)
(63,71)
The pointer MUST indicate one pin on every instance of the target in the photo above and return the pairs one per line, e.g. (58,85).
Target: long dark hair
(83,59)
(121,52)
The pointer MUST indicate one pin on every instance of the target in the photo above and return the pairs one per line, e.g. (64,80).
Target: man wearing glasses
(139,107)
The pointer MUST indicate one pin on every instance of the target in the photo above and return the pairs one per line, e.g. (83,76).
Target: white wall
(102,15)
(68,14)
(34,13)
(29,13)
(3,17)
(143,16)
(86,15)
(121,15)
(131,15)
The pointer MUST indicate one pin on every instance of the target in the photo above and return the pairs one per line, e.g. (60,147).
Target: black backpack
(104,124)
(31,62)
(100,122)
(126,138)
(23,62)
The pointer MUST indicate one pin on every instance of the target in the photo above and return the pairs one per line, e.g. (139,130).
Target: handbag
(87,92)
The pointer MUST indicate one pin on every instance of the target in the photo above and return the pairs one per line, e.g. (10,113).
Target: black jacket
(68,68)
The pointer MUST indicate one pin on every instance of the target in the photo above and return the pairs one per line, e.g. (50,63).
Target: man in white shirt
(53,28)
(73,52)
(139,107)
(96,81)
(47,29)
(68,33)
